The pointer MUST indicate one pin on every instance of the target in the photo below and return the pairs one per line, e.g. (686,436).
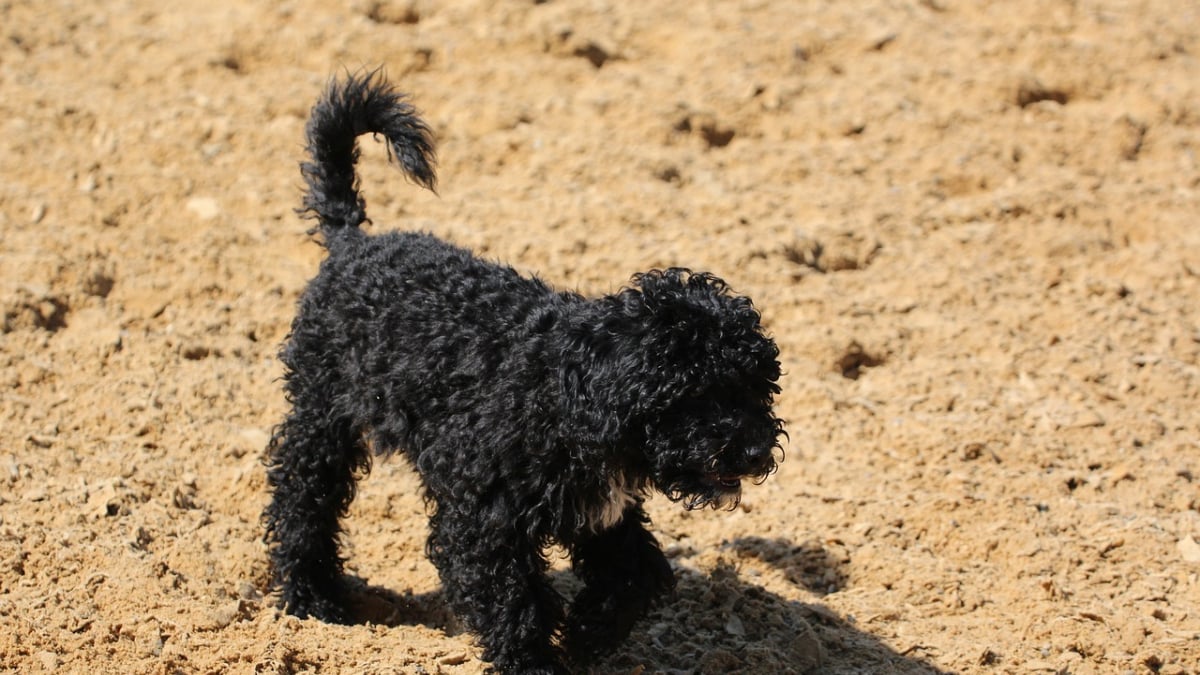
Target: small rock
(49,660)
(149,639)
(223,616)
(720,661)
(881,40)
(247,591)
(253,438)
(456,659)
(1088,418)
(734,626)
(205,208)
(1189,549)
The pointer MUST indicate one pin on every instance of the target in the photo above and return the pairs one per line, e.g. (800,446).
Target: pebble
(223,616)
(1189,549)
(734,626)
(49,660)
(456,659)
(205,208)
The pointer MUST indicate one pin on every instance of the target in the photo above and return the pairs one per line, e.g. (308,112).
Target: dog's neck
(621,494)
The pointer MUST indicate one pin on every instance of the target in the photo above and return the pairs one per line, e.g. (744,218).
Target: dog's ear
(708,335)
(611,372)
(673,334)
(589,380)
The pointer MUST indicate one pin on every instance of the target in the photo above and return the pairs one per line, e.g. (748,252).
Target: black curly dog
(534,416)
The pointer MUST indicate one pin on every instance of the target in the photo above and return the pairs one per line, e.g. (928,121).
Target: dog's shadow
(716,622)
(379,605)
(809,565)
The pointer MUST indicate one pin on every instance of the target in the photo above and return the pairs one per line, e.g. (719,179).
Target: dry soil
(971,226)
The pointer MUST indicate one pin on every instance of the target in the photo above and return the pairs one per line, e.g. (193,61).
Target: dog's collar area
(619,495)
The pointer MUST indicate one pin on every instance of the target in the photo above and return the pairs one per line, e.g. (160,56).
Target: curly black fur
(533,416)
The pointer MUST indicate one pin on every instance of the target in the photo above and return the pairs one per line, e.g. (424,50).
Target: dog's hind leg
(313,462)
(624,572)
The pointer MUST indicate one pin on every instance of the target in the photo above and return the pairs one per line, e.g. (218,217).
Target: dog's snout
(760,460)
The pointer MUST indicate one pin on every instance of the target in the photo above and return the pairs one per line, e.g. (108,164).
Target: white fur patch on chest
(606,513)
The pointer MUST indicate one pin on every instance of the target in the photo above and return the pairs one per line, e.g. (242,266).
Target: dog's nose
(757,453)
(759,456)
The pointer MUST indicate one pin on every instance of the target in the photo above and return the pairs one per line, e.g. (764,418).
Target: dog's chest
(607,512)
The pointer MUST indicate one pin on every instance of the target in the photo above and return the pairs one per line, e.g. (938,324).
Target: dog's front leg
(495,580)
(625,572)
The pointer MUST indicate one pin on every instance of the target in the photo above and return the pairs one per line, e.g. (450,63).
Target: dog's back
(405,316)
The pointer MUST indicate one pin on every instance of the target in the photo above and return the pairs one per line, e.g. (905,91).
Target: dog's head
(677,372)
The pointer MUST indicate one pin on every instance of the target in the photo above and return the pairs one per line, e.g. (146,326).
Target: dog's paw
(547,669)
(524,668)
(597,623)
(586,644)
(306,603)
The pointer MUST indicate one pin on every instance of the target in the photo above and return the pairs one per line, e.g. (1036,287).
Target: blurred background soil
(971,226)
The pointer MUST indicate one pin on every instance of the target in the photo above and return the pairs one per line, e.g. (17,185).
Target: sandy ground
(971,226)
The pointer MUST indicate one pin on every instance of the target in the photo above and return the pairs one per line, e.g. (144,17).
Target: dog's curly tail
(363,103)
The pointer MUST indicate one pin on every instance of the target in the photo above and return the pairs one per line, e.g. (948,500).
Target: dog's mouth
(725,481)
(716,490)
(711,489)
